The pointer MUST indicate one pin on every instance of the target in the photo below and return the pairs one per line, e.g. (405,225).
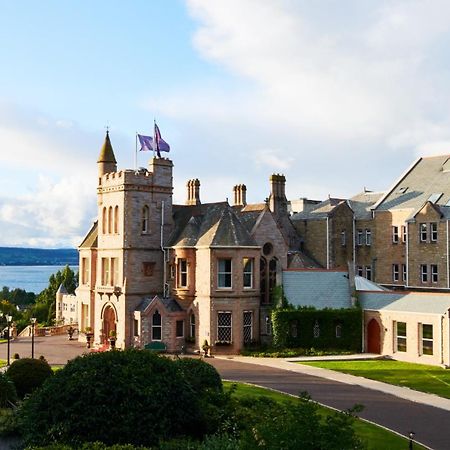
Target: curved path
(430,424)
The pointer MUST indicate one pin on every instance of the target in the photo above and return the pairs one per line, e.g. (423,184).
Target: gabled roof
(425,178)
(363,202)
(170,304)
(321,211)
(213,224)
(91,239)
(363,284)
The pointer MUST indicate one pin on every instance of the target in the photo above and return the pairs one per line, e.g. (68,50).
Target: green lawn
(420,377)
(374,437)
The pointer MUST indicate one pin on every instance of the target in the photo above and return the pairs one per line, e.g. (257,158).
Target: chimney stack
(193,191)
(277,200)
(240,195)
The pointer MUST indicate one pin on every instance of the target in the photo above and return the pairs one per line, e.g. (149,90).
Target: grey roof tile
(318,288)
(170,304)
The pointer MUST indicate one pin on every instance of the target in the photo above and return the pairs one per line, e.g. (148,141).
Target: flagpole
(135,152)
(154,137)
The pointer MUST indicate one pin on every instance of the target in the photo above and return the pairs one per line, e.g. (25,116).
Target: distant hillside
(15,256)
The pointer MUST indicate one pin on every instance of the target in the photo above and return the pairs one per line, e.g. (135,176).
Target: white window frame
(343,238)
(395,273)
(424,273)
(395,236)
(368,237)
(404,273)
(401,337)
(423,339)
(224,274)
(182,272)
(359,237)
(247,273)
(423,232)
(434,272)
(368,270)
(433,231)
(404,234)
(157,326)
(192,326)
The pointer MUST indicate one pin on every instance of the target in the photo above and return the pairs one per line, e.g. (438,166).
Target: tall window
(369,272)
(395,273)
(368,237)
(263,280)
(338,331)
(224,273)
(116,220)
(272,274)
(248,326)
(156,326)
(404,235)
(182,273)
(110,220)
(85,271)
(433,232)
(427,339)
(343,238)
(360,271)
(224,326)
(359,237)
(248,272)
(145,219)
(114,271)
(395,235)
(105,271)
(424,273)
(104,221)
(404,273)
(423,232)
(179,328)
(434,273)
(401,336)
(192,326)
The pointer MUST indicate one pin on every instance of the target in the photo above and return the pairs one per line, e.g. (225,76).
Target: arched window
(272,274)
(263,280)
(338,330)
(192,326)
(316,329)
(145,219)
(110,220)
(104,221)
(116,220)
(156,326)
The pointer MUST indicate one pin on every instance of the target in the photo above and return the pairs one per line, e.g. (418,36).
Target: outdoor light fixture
(8,321)
(411,435)
(33,324)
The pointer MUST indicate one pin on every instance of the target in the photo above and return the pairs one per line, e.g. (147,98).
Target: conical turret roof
(107,152)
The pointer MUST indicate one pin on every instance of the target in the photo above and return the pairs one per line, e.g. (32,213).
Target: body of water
(30,278)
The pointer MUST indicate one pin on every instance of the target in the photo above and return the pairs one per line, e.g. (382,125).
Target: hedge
(311,328)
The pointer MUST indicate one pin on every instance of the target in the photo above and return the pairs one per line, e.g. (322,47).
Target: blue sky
(337,95)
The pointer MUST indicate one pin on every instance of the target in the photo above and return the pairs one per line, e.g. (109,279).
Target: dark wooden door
(373,337)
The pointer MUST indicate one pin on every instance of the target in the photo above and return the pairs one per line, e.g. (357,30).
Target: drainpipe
(328,242)
(442,340)
(354,246)
(163,249)
(448,267)
(407,254)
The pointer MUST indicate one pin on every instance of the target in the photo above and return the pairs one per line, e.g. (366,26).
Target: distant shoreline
(18,256)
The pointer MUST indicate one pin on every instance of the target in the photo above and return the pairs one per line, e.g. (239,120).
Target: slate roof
(170,304)
(210,224)
(61,289)
(321,211)
(362,203)
(318,288)
(426,177)
(363,284)
(91,238)
(417,302)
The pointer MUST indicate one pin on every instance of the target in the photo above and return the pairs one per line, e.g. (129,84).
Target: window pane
(427,331)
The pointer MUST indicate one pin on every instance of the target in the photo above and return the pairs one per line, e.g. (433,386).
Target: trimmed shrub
(27,374)
(200,375)
(8,393)
(128,397)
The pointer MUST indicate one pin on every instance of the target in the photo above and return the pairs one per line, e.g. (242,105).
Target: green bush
(128,397)
(199,374)
(27,374)
(8,393)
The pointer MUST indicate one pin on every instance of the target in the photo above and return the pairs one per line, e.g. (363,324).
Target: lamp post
(8,321)
(33,324)
(411,435)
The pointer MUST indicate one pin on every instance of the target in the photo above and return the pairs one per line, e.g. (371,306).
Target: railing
(47,331)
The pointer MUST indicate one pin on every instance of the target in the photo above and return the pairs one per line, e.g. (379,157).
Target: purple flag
(161,144)
(146,143)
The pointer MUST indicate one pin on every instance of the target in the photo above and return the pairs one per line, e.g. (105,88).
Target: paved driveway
(430,424)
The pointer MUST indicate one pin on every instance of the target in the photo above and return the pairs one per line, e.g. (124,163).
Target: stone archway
(373,337)
(109,323)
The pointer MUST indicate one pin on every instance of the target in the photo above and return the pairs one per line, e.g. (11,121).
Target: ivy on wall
(321,329)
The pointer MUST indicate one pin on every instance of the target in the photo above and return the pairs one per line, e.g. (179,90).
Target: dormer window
(402,190)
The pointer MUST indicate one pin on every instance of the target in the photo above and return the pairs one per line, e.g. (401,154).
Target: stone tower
(134,221)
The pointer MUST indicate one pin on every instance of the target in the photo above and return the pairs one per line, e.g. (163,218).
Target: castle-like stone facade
(180,274)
